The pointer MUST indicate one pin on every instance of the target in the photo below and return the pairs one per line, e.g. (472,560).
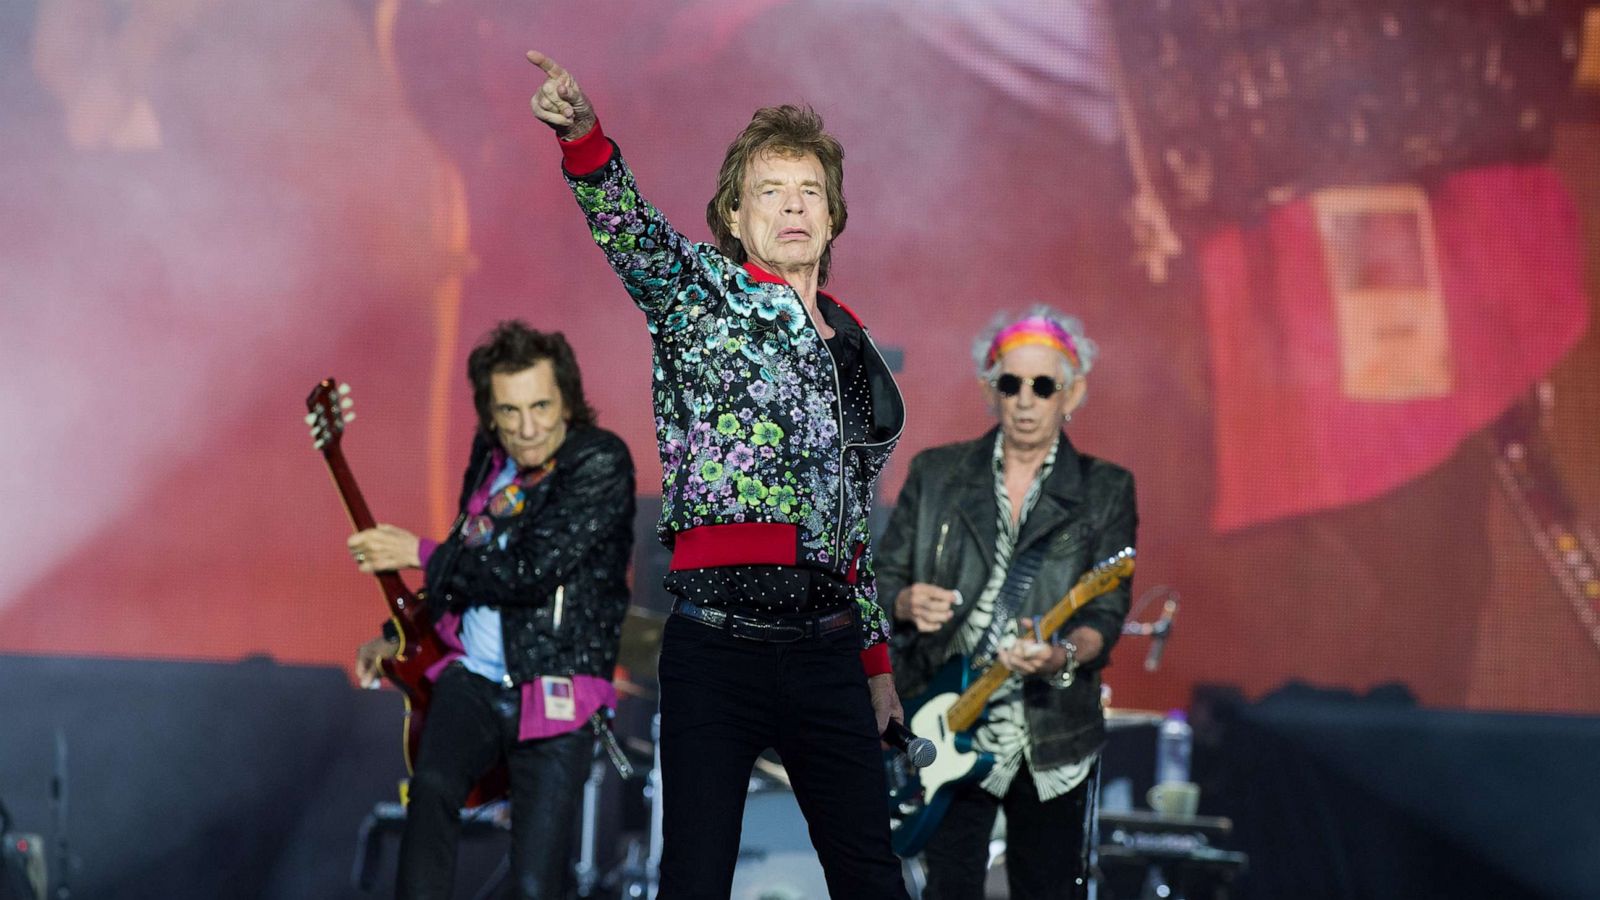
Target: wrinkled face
(782,219)
(1028,420)
(529,417)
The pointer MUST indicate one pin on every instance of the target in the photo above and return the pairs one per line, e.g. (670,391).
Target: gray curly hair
(1050,318)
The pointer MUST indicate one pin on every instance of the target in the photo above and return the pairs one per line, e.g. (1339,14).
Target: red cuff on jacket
(875,660)
(586,154)
(425,550)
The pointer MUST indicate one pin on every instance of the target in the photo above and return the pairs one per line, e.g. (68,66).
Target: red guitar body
(420,646)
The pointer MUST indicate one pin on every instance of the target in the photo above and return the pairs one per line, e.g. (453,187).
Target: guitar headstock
(1110,570)
(329,409)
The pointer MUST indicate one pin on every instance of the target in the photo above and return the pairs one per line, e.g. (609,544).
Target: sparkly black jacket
(561,581)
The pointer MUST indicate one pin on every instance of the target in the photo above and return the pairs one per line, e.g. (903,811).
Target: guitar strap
(444,558)
(1024,568)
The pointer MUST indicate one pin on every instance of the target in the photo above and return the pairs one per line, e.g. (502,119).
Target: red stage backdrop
(211,204)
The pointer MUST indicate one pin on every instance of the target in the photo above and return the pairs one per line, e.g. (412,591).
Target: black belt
(786,629)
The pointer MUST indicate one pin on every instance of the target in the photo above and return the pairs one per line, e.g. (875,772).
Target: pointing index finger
(550,66)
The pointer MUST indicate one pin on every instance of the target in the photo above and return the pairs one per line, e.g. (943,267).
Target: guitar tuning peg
(346,403)
(349,417)
(317,444)
(311,418)
(343,389)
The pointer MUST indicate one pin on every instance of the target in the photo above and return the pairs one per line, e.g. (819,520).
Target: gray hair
(1087,350)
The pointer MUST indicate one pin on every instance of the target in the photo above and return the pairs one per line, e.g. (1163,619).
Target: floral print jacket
(755,466)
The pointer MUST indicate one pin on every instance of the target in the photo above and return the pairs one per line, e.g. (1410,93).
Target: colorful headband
(1033,330)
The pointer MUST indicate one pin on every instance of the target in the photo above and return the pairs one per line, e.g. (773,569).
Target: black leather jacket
(562,580)
(943,532)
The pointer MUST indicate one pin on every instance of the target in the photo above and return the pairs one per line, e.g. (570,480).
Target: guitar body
(925,794)
(420,647)
(407,670)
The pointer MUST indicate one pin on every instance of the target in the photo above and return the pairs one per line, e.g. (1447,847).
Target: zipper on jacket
(838,409)
(561,596)
(845,445)
(938,549)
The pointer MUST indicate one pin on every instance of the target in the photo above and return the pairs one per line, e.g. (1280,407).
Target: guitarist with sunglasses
(528,594)
(987,536)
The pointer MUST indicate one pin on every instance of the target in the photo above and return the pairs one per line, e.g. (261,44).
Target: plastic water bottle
(1173,744)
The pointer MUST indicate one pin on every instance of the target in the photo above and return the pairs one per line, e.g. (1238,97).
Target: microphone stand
(58,799)
(1159,630)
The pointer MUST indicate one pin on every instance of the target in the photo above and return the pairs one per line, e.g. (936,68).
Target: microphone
(920,751)
(1159,633)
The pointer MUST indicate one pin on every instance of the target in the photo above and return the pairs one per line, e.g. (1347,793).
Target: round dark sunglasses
(1011,385)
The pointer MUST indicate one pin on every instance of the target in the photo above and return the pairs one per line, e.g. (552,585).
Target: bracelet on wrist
(1063,679)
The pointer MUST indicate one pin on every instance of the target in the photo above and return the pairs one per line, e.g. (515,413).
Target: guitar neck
(964,713)
(349,492)
(1061,612)
(360,515)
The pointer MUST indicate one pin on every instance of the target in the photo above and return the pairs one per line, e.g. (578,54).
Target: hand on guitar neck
(1028,657)
(386,548)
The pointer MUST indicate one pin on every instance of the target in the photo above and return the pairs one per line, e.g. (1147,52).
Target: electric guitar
(948,712)
(330,409)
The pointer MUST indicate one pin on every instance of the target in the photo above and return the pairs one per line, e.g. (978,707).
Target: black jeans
(472,723)
(724,700)
(1044,843)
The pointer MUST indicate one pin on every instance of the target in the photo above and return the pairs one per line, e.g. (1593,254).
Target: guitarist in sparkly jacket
(987,536)
(528,593)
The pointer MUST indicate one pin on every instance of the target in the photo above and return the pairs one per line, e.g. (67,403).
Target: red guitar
(330,410)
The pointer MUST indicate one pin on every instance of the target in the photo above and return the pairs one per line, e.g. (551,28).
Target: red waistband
(736,544)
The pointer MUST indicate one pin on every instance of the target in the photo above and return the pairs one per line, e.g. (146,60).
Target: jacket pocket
(1069,541)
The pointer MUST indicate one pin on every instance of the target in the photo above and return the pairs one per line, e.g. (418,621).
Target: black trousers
(472,723)
(724,700)
(1044,843)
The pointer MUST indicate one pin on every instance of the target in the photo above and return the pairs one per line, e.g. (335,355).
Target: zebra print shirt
(1005,732)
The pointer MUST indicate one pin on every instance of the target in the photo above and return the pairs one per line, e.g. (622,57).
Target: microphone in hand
(920,751)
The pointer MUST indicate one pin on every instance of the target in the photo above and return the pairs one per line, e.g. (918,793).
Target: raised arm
(661,269)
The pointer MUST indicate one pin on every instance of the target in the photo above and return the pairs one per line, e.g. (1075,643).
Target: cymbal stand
(653,791)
